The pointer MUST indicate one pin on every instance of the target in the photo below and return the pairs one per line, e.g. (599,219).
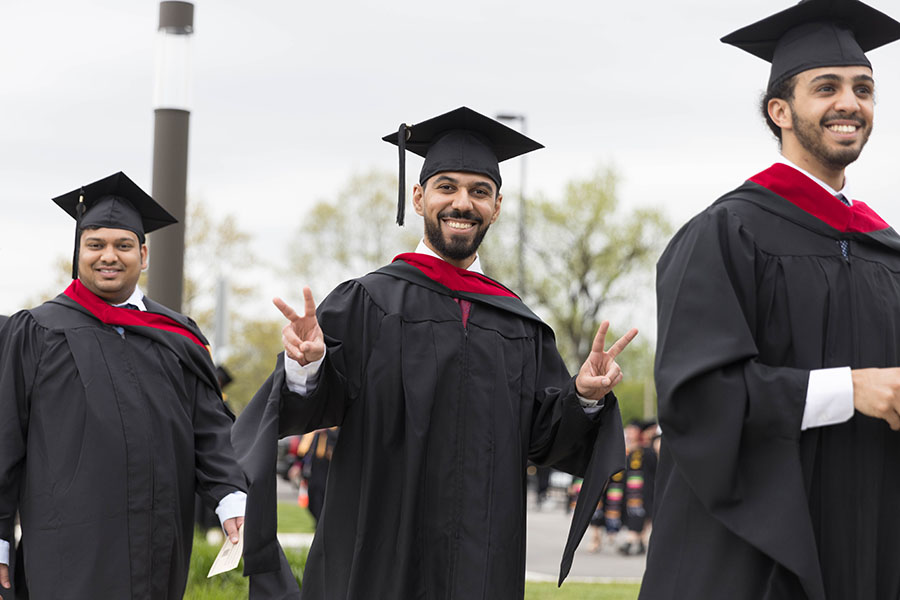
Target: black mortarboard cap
(115,202)
(460,140)
(816,33)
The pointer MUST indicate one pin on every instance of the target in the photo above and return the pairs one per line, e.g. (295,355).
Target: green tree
(588,258)
(352,234)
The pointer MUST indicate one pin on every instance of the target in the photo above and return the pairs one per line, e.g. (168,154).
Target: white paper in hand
(229,556)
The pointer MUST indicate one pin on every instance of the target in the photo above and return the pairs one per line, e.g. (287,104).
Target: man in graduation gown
(779,341)
(110,419)
(444,384)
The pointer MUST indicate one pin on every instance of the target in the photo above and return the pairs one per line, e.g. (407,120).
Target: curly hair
(783,90)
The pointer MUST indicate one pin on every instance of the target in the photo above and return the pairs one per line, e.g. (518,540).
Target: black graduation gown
(753,293)
(426,492)
(103,441)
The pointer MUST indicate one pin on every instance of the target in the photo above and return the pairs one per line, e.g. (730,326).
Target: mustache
(836,116)
(458,214)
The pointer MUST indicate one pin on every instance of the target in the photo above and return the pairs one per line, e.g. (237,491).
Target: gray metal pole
(165,277)
(523,207)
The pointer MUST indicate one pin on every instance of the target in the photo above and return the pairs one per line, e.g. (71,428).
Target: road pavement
(546,538)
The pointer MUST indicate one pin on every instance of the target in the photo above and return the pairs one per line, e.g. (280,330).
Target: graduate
(444,385)
(110,419)
(779,342)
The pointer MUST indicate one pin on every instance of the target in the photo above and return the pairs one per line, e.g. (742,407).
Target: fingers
(893,420)
(292,344)
(231,527)
(289,313)
(600,338)
(4,576)
(309,303)
(623,341)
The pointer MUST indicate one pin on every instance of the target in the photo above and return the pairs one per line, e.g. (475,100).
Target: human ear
(780,112)
(418,204)
(496,208)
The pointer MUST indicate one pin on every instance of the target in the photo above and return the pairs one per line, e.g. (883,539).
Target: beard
(456,248)
(812,138)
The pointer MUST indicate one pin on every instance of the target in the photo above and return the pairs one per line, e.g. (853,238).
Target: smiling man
(110,420)
(779,342)
(444,385)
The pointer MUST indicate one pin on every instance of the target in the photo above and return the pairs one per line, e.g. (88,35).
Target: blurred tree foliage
(217,249)
(352,234)
(587,258)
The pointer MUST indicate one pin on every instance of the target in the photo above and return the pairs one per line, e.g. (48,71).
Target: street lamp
(171,101)
(523,205)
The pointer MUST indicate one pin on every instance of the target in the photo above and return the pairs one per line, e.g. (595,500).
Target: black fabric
(426,488)
(753,293)
(116,202)
(816,33)
(104,439)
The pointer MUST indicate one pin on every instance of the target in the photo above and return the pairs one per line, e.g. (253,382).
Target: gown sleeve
(731,422)
(216,466)
(563,435)
(20,346)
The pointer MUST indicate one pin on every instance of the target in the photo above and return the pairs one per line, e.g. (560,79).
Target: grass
(230,585)
(293,519)
(582,591)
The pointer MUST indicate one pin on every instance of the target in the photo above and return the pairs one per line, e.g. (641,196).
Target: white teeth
(456,225)
(843,128)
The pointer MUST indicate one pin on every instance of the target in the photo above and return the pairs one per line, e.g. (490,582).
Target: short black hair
(783,90)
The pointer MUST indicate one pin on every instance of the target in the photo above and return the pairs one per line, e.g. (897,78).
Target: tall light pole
(171,101)
(523,203)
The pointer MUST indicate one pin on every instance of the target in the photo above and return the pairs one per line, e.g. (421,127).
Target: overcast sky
(291,98)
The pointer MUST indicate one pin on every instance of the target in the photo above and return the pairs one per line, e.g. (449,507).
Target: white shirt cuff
(301,379)
(4,552)
(829,397)
(590,406)
(231,506)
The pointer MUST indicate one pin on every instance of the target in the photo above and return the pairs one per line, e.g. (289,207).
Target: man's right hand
(876,393)
(302,338)
(4,576)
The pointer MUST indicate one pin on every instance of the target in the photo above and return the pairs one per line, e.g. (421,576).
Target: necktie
(466,307)
(844,244)
(129,306)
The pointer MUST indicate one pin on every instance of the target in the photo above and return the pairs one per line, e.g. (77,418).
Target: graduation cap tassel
(79,213)
(402,135)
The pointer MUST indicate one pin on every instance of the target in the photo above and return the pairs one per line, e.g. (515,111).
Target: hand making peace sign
(302,338)
(600,373)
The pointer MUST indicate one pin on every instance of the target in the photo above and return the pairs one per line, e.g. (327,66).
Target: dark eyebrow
(102,240)
(833,77)
(825,77)
(446,178)
(483,184)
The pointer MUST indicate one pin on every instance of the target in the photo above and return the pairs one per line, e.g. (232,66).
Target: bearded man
(779,341)
(444,385)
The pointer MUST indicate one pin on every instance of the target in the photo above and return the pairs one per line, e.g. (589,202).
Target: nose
(462,201)
(108,255)
(847,100)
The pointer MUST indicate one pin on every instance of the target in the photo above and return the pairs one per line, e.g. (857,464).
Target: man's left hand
(600,373)
(232,526)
